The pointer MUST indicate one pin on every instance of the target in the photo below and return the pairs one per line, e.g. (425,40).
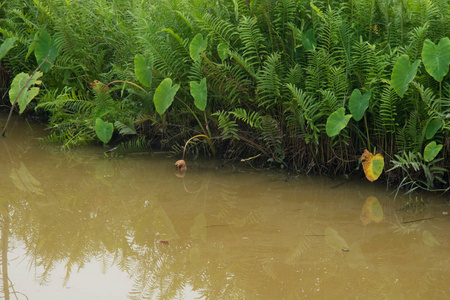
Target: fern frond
(220,29)
(388,110)
(417,36)
(269,82)
(124,129)
(228,126)
(303,110)
(295,76)
(330,103)
(285,12)
(253,41)
(272,136)
(253,119)
(137,144)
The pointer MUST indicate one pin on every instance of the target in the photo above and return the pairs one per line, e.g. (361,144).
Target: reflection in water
(5,246)
(212,234)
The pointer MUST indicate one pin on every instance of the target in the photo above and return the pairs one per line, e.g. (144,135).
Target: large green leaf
(403,73)
(28,92)
(104,130)
(222,50)
(309,40)
(6,46)
(200,93)
(45,48)
(431,151)
(436,58)
(164,95)
(198,44)
(358,104)
(433,127)
(142,69)
(337,121)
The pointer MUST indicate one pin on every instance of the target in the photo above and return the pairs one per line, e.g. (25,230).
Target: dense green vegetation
(306,84)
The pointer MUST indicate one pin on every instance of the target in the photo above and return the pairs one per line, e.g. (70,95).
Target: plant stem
(367,132)
(20,92)
(195,116)
(196,136)
(116,81)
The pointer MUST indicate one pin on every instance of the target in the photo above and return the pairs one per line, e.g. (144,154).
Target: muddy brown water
(76,225)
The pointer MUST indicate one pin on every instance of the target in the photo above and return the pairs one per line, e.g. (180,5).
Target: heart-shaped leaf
(433,127)
(309,40)
(337,121)
(436,58)
(28,92)
(200,93)
(6,46)
(45,48)
(372,164)
(372,211)
(403,73)
(142,69)
(164,95)
(358,104)
(104,130)
(431,151)
(222,50)
(198,44)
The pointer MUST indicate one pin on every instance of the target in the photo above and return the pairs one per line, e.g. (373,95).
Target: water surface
(76,225)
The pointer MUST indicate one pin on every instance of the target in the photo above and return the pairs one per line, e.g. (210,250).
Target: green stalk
(367,132)
(195,116)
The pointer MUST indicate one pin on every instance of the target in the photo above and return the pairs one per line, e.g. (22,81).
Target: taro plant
(24,87)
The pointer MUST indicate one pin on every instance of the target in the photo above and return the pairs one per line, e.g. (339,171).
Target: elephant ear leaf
(200,93)
(6,46)
(436,58)
(403,73)
(45,48)
(309,40)
(198,44)
(142,69)
(164,95)
(24,89)
(431,151)
(104,130)
(358,104)
(336,122)
(372,164)
(222,50)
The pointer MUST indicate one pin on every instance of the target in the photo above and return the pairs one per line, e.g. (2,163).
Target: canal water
(77,225)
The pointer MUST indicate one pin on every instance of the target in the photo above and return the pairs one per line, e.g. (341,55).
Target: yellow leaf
(372,211)
(372,164)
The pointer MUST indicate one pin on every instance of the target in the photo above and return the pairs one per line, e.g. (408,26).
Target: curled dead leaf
(99,87)
(372,164)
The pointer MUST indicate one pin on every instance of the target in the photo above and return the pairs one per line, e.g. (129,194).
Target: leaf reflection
(371,211)
(24,181)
